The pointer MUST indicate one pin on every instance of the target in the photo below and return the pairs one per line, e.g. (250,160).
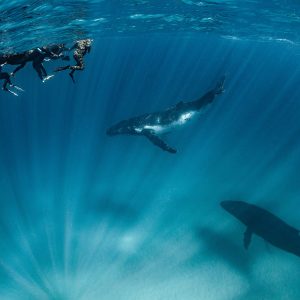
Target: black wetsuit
(82,47)
(39,56)
(36,56)
(14,59)
(6,77)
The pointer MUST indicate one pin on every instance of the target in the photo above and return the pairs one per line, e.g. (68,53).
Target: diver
(14,59)
(7,81)
(37,56)
(82,47)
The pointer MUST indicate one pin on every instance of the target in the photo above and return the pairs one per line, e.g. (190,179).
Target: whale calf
(266,225)
(153,125)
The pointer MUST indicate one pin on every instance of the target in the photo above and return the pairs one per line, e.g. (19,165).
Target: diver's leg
(71,74)
(44,72)
(2,76)
(18,68)
(7,80)
(38,69)
(79,62)
(78,67)
(5,85)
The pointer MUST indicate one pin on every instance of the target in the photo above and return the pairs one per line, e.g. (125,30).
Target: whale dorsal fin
(247,237)
(157,141)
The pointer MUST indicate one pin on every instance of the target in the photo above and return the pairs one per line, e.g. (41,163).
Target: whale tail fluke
(219,89)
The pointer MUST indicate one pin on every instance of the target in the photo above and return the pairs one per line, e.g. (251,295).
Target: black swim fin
(72,77)
(10,91)
(17,87)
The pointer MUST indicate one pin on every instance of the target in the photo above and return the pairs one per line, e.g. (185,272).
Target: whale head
(239,209)
(122,127)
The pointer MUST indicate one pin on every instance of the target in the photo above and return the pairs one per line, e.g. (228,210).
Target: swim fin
(72,77)
(11,92)
(17,88)
(47,78)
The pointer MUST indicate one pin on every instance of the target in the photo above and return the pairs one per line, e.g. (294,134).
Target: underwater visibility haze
(87,216)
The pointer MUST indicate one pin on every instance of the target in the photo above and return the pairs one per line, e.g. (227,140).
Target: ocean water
(85,216)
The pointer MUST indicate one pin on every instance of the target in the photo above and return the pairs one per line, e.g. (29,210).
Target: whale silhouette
(153,125)
(266,225)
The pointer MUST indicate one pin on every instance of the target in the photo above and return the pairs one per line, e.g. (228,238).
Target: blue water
(85,216)
(26,24)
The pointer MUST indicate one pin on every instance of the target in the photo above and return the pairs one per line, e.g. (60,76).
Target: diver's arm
(49,53)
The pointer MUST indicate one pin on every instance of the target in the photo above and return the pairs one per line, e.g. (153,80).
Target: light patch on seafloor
(200,284)
(130,241)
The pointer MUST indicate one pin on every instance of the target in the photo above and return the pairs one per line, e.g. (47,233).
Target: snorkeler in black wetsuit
(82,47)
(14,59)
(6,77)
(7,81)
(36,56)
(40,54)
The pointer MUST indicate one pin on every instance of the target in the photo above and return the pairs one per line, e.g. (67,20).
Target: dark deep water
(86,216)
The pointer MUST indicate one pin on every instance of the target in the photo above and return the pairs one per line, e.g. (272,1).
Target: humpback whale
(153,125)
(264,224)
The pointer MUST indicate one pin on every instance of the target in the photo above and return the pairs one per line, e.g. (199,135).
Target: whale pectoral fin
(247,238)
(157,141)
